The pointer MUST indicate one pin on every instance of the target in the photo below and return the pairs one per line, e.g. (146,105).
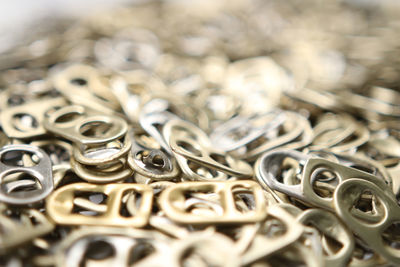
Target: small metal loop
(108,153)
(96,174)
(70,122)
(26,120)
(173,202)
(68,206)
(240,131)
(370,232)
(278,231)
(82,85)
(330,226)
(21,227)
(208,247)
(151,162)
(108,245)
(338,133)
(269,166)
(341,172)
(179,134)
(151,123)
(283,129)
(41,172)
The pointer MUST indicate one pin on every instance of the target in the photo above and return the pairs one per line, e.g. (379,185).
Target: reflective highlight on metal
(204,133)
(22,185)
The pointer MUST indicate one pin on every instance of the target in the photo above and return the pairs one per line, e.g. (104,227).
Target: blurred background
(22,15)
(325,45)
(208,62)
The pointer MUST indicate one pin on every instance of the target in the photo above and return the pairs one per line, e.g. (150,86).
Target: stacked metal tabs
(204,133)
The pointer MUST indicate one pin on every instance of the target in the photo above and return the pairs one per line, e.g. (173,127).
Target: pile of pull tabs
(204,133)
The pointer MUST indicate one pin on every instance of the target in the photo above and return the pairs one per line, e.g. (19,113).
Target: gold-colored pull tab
(82,85)
(149,159)
(330,227)
(202,248)
(85,126)
(124,205)
(338,133)
(105,163)
(380,235)
(21,227)
(102,246)
(221,207)
(26,120)
(316,169)
(270,238)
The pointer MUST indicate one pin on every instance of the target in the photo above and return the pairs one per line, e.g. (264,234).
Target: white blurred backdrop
(17,16)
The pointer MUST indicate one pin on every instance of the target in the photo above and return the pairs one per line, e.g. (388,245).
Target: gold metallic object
(21,227)
(26,121)
(92,245)
(85,126)
(111,204)
(82,85)
(268,241)
(149,159)
(178,207)
(371,232)
(203,133)
(331,227)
